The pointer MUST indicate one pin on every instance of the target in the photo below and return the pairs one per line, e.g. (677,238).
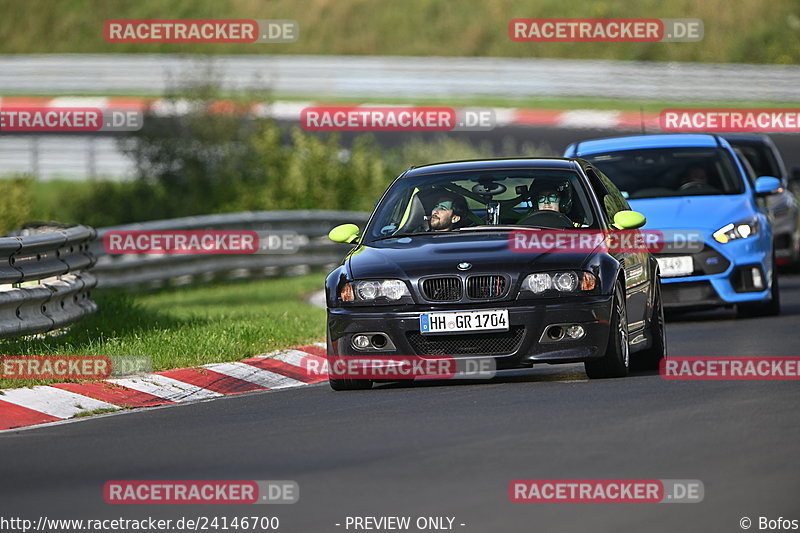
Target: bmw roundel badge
(464,266)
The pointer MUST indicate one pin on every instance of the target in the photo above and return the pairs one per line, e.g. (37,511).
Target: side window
(608,194)
(614,201)
(748,168)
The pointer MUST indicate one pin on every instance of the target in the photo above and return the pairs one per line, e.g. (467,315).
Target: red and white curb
(290,111)
(62,401)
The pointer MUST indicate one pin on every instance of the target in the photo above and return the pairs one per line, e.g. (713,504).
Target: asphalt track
(445,449)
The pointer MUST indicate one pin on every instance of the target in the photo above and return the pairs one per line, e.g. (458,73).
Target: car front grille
(694,293)
(706,262)
(442,289)
(486,287)
(499,343)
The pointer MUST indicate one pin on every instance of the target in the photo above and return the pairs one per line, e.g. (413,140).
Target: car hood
(413,257)
(707,213)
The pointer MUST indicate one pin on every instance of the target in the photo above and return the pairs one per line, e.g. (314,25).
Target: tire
(650,358)
(345,384)
(350,384)
(615,362)
(770,308)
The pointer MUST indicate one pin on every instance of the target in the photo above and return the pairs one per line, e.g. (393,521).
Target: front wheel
(650,358)
(344,384)
(350,384)
(616,361)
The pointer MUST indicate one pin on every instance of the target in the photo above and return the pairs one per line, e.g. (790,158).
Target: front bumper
(521,346)
(736,272)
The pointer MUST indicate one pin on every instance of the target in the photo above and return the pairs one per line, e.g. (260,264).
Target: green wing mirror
(346,233)
(629,220)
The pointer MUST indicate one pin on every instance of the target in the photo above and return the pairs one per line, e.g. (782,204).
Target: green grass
(93,412)
(752,31)
(186,327)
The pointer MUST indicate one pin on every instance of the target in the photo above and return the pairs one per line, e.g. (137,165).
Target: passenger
(448,213)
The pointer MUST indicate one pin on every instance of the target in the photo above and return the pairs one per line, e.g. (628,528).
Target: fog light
(575,331)
(361,341)
(758,282)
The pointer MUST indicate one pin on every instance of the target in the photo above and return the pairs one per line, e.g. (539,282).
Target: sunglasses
(443,206)
(552,198)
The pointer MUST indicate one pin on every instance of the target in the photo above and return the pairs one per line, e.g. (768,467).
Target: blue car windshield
(659,172)
(490,200)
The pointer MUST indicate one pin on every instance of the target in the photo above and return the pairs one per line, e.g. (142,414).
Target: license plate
(495,320)
(675,266)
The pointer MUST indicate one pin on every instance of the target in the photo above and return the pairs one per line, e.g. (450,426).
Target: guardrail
(306,230)
(44,282)
(404,77)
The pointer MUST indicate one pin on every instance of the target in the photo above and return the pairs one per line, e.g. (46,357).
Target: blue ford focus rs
(684,182)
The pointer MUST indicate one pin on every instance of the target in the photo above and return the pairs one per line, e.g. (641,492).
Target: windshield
(482,201)
(761,159)
(658,172)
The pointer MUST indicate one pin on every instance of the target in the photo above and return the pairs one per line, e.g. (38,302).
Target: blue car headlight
(737,230)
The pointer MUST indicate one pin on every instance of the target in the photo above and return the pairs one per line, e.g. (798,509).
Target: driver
(552,197)
(695,178)
(448,212)
(548,199)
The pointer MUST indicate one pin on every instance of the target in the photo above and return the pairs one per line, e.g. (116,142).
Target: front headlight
(738,230)
(374,291)
(560,282)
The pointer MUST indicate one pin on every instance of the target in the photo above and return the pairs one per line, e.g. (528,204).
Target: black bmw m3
(442,269)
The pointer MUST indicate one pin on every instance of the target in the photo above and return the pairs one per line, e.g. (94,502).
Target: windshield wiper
(497,228)
(398,236)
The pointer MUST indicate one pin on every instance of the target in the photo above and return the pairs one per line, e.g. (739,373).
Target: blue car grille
(706,262)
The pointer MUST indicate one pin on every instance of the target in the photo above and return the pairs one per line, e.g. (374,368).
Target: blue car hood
(707,213)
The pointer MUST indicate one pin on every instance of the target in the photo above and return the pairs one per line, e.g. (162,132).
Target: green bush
(263,168)
(16,202)
(198,163)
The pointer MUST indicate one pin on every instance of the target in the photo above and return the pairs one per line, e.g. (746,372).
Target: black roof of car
(746,138)
(494,164)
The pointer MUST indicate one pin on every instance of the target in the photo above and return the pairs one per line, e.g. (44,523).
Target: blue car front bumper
(736,272)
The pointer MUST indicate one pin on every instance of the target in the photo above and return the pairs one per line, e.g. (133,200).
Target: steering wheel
(692,185)
(547,219)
